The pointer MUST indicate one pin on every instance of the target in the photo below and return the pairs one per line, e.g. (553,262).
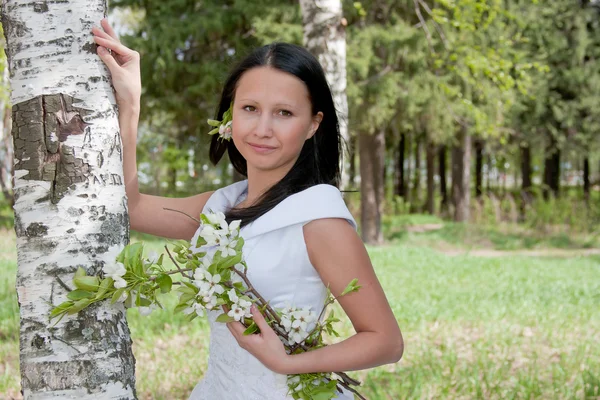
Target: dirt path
(529,253)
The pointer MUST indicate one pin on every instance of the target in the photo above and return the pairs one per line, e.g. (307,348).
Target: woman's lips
(262,149)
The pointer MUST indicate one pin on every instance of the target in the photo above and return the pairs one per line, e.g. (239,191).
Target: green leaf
(61,308)
(106,284)
(201,241)
(351,287)
(160,259)
(79,305)
(165,283)
(117,295)
(225,318)
(186,297)
(79,294)
(79,273)
(89,283)
(213,122)
(180,307)
(253,328)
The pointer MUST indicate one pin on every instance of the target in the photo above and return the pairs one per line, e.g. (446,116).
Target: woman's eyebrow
(276,104)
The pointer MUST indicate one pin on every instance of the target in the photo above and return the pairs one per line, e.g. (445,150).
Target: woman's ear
(316,121)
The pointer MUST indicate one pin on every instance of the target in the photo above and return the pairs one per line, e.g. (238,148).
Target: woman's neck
(259,182)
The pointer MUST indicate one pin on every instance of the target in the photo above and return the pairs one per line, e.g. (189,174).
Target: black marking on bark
(89,47)
(36,229)
(40,7)
(38,342)
(95,79)
(100,160)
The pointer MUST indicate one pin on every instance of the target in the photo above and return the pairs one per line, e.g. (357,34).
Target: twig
(181,212)
(177,265)
(424,25)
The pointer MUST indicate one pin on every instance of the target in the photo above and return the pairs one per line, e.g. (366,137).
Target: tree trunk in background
(409,139)
(461,176)
(430,177)
(586,178)
(325,37)
(352,168)
(416,189)
(442,174)
(551,170)
(70,204)
(479,167)
(526,169)
(400,185)
(371,152)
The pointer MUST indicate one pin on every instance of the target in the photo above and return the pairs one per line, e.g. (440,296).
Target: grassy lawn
(488,328)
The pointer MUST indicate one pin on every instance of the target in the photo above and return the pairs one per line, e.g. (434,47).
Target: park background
(473,167)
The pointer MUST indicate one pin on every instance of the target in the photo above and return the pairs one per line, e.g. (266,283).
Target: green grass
(474,328)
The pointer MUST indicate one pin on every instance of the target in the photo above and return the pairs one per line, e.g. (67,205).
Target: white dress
(279,268)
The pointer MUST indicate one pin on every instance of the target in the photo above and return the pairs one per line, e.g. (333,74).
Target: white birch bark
(6,148)
(70,207)
(325,37)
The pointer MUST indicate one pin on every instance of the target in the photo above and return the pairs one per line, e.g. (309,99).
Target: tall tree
(325,37)
(6,147)
(70,205)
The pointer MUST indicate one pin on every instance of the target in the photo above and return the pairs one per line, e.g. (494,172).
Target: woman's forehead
(265,83)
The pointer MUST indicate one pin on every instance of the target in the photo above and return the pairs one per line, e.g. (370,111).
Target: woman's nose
(264,128)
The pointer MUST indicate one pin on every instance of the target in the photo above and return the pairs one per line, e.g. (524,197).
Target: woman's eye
(249,108)
(285,113)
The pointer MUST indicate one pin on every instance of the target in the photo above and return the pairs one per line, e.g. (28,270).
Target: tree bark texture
(479,168)
(372,153)
(526,169)
(400,187)
(430,157)
(325,37)
(442,174)
(416,189)
(70,204)
(551,170)
(461,176)
(586,178)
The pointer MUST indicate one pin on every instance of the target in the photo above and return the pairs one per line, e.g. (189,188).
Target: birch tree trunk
(325,37)
(70,205)
(6,148)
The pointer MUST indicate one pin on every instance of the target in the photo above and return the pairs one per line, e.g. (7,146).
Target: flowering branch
(215,277)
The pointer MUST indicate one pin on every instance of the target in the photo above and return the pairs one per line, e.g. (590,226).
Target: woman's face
(272,118)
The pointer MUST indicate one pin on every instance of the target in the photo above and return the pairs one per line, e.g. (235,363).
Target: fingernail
(101,49)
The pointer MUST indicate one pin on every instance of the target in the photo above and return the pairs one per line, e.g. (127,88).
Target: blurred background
(472,164)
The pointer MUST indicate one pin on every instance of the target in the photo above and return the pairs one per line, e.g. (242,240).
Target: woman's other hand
(124,66)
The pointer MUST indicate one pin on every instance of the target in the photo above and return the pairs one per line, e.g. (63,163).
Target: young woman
(299,235)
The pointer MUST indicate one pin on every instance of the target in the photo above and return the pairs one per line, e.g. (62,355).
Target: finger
(259,319)
(99,32)
(108,59)
(236,327)
(115,46)
(108,29)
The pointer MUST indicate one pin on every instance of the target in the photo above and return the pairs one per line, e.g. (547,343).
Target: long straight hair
(319,160)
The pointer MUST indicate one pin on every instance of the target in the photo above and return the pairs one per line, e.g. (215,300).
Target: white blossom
(236,312)
(119,282)
(115,270)
(233,296)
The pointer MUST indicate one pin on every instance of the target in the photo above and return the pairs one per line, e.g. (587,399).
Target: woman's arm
(339,256)
(146,213)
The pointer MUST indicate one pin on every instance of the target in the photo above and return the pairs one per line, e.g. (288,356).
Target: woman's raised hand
(123,63)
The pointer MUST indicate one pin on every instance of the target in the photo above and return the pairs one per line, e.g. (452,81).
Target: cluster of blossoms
(223,127)
(217,233)
(215,276)
(297,322)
